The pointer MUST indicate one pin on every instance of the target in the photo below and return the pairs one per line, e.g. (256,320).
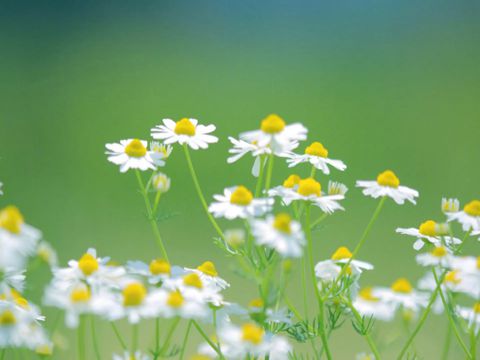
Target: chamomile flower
(317,155)
(469,217)
(209,275)
(439,256)
(388,184)
(430,232)
(310,190)
(280,233)
(276,134)
(235,237)
(467,271)
(241,148)
(369,305)
(343,255)
(156,272)
(402,294)
(160,152)
(336,188)
(173,303)
(185,131)
(285,190)
(238,202)
(11,278)
(134,355)
(471,315)
(131,154)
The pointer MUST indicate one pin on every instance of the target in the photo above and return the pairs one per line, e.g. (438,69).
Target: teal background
(383,84)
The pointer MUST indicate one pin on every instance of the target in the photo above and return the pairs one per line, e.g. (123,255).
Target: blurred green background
(383,84)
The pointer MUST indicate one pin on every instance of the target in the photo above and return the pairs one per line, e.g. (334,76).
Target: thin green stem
(81,338)
(207,339)
(258,188)
(313,171)
(319,220)
(96,349)
(473,342)
(321,304)
(157,201)
(200,192)
(157,335)
(185,339)
(2,354)
(168,338)
(268,180)
(447,342)
(151,215)
(134,337)
(123,344)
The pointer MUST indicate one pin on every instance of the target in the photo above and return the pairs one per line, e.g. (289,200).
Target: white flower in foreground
(285,190)
(401,294)
(173,303)
(131,154)
(467,270)
(276,134)
(18,240)
(280,233)
(185,131)
(430,232)
(310,190)
(369,305)
(241,148)
(471,315)
(238,202)
(388,184)
(208,273)
(156,272)
(317,155)
(136,355)
(469,217)
(439,256)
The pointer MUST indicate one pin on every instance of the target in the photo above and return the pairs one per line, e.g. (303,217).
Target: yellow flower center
(256,303)
(135,148)
(316,149)
(7,318)
(473,208)
(478,262)
(342,253)
(193,280)
(428,228)
(367,294)
(208,268)
(402,285)
(309,187)
(388,178)
(451,277)
(80,295)
(272,124)
(175,299)
(159,267)
(88,264)
(200,357)
(476,308)
(44,350)
(184,127)
(252,333)
(241,196)
(133,294)
(11,219)
(439,251)
(291,181)
(282,223)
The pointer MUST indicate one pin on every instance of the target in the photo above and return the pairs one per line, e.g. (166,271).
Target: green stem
(151,216)
(258,188)
(207,339)
(473,342)
(319,220)
(2,354)
(157,336)
(268,180)
(81,338)
(94,338)
(166,344)
(134,337)
(119,337)
(313,171)
(447,342)
(321,304)
(199,191)
(157,201)
(185,339)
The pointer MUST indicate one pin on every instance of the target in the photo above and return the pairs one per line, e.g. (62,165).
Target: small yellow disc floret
(252,333)
(133,294)
(272,124)
(472,208)
(342,253)
(80,295)
(88,264)
(159,267)
(428,228)
(175,299)
(208,268)
(7,318)
(476,308)
(193,280)
(388,178)
(367,294)
(316,149)
(452,277)
(291,181)
(11,219)
(184,127)
(283,223)
(439,251)
(241,196)
(402,285)
(256,303)
(309,187)
(135,148)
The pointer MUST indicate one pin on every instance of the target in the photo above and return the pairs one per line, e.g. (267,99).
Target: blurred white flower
(471,315)
(430,232)
(439,256)
(317,155)
(402,295)
(469,217)
(369,305)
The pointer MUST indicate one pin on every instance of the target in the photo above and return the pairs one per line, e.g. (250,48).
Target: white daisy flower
(186,131)
(469,217)
(276,134)
(280,233)
(401,294)
(471,315)
(160,152)
(388,184)
(310,190)
(439,256)
(238,202)
(209,275)
(369,305)
(18,240)
(136,355)
(467,270)
(156,272)
(450,205)
(174,303)
(317,155)
(131,154)
(11,278)
(285,190)
(241,148)
(430,232)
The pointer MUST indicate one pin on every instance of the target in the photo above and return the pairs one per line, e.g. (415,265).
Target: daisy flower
(208,273)
(317,155)
(280,233)
(160,152)
(310,190)
(238,202)
(11,279)
(156,272)
(401,294)
(132,154)
(276,134)
(388,184)
(439,256)
(185,131)
(430,232)
(469,217)
(369,305)
(136,355)
(471,315)
(289,185)
(173,303)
